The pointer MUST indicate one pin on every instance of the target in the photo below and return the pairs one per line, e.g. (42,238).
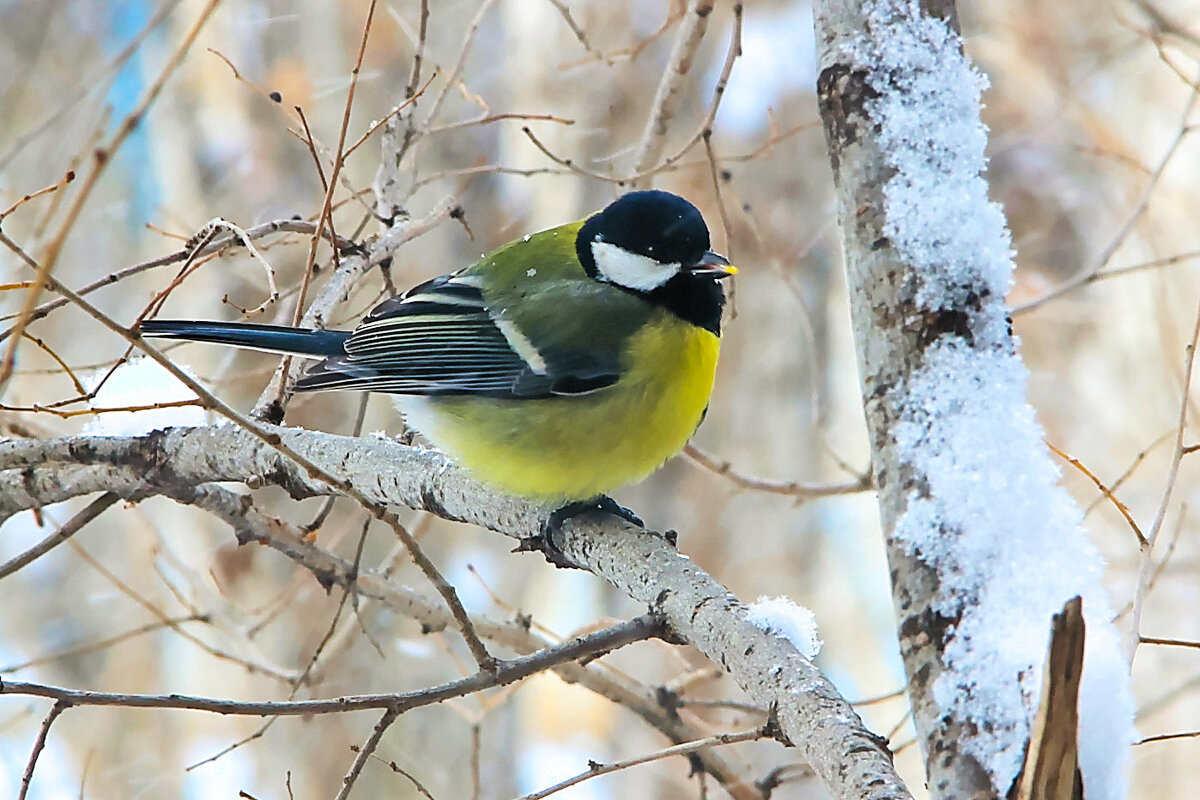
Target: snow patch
(139,382)
(785,619)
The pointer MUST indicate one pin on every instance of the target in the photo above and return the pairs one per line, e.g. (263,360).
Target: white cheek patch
(617,265)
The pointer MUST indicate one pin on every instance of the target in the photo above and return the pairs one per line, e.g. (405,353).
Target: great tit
(557,367)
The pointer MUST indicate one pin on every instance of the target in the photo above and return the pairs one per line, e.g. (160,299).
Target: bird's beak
(713,265)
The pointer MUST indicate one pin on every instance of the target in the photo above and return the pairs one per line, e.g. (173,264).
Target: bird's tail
(272,338)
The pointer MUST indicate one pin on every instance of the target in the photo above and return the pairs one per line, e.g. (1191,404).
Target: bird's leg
(545,542)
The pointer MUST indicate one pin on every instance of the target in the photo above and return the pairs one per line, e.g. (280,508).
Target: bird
(556,368)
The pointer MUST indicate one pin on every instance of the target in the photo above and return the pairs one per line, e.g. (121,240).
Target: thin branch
(104,644)
(1131,469)
(565,12)
(455,74)
(568,162)
(54,187)
(789,488)
(410,91)
(504,673)
(375,126)
(704,132)
(489,119)
(366,751)
(1090,275)
(38,744)
(596,769)
(1121,507)
(895,694)
(716,183)
(394,767)
(670,86)
(252,667)
(1166,737)
(217,244)
(1169,642)
(1146,551)
(208,233)
(275,396)
(73,526)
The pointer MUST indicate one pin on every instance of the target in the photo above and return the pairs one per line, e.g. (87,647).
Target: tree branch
(852,761)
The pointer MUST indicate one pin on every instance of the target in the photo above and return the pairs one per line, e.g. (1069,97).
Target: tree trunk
(983,545)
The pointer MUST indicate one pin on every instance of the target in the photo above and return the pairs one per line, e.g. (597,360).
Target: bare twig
(1166,737)
(217,244)
(279,389)
(255,668)
(704,131)
(565,12)
(505,672)
(569,163)
(208,233)
(394,767)
(73,526)
(1131,469)
(414,78)
(104,644)
(1092,274)
(455,75)
(1169,642)
(38,744)
(366,751)
(383,121)
(881,698)
(596,769)
(1146,551)
(666,97)
(1104,490)
(789,488)
(54,187)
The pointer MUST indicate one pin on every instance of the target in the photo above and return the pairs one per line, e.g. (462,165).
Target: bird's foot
(602,505)
(545,543)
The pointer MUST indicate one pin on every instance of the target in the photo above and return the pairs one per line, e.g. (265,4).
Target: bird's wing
(441,338)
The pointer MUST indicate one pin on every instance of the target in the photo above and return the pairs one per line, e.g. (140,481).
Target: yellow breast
(560,449)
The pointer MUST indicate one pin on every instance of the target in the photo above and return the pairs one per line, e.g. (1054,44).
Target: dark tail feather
(273,338)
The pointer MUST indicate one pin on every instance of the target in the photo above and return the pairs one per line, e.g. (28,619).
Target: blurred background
(1092,158)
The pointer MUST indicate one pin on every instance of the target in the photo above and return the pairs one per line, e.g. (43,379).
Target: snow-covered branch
(984,545)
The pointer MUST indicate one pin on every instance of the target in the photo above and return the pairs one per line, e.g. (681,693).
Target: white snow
(782,617)
(989,516)
(139,382)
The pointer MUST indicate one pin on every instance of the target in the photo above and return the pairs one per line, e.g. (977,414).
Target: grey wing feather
(439,338)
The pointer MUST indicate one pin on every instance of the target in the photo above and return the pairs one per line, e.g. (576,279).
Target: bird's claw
(545,542)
